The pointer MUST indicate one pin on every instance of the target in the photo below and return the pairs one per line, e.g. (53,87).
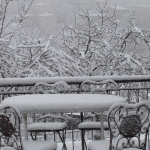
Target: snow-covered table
(63,103)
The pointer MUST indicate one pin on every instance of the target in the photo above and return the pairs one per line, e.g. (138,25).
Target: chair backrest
(60,87)
(10,133)
(93,87)
(131,125)
(46,88)
(52,118)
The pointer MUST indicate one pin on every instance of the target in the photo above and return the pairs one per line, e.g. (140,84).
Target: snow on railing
(135,87)
(72,80)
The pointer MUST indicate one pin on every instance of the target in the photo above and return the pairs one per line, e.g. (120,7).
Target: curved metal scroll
(46,88)
(131,123)
(130,126)
(10,134)
(91,87)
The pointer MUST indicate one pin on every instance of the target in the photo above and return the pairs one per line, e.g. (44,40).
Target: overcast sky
(131,3)
(63,10)
(118,2)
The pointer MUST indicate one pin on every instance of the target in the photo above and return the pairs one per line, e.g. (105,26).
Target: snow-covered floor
(77,145)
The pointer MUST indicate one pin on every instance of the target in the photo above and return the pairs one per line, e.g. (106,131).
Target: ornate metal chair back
(52,118)
(60,87)
(46,88)
(131,126)
(93,87)
(10,134)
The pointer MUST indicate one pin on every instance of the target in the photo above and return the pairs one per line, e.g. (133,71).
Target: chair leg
(72,139)
(63,137)
(84,146)
(45,136)
(34,137)
(54,137)
(85,141)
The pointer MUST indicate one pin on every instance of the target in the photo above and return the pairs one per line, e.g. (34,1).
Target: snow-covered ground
(77,145)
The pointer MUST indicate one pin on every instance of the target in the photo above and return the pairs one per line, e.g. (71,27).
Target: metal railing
(135,87)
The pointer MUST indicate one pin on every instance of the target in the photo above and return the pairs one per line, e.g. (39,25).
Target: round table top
(65,103)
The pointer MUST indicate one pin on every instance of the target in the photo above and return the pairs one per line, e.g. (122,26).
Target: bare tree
(7,53)
(94,45)
(99,45)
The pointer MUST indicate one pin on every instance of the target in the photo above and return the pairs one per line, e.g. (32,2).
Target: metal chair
(131,127)
(60,126)
(10,132)
(51,123)
(93,87)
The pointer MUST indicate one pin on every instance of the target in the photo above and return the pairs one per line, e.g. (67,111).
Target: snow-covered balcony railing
(135,87)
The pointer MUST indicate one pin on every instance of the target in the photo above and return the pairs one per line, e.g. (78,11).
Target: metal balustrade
(134,87)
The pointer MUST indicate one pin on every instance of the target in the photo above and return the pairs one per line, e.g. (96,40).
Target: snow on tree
(7,57)
(99,45)
(94,45)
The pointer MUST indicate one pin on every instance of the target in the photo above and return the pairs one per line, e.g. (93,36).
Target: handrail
(71,80)
(129,86)
(30,92)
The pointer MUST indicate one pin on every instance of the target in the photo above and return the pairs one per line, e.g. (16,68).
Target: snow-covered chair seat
(10,131)
(35,145)
(99,144)
(93,126)
(40,145)
(45,126)
(104,145)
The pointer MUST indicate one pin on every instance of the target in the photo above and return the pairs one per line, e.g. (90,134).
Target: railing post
(82,133)
(34,118)
(137,96)
(128,96)
(25,126)
(102,126)
(72,132)
(147,95)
